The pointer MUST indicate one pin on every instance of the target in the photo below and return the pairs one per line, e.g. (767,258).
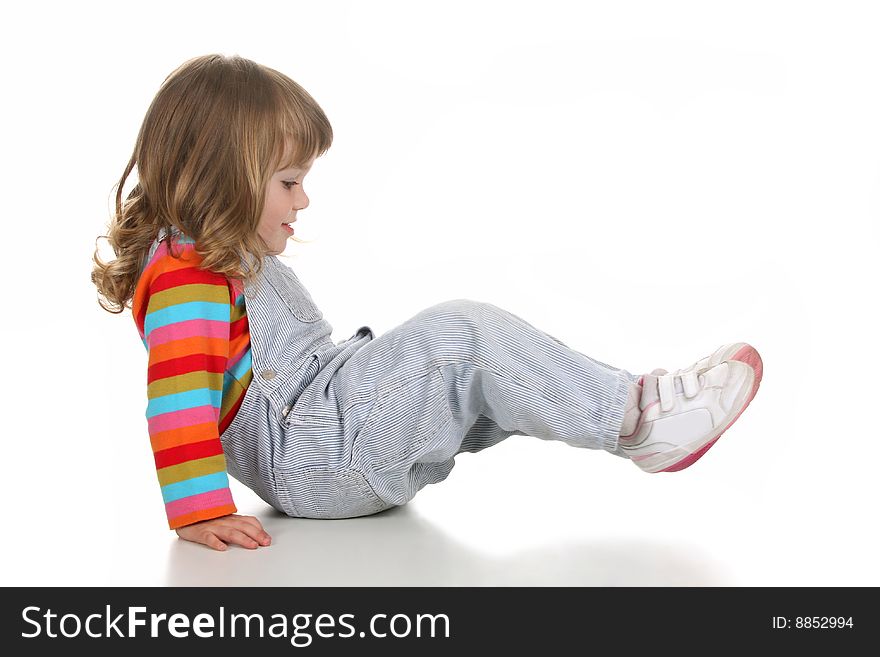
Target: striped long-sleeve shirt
(195,329)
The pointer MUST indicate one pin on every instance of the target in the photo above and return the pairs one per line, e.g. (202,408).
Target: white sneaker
(686,411)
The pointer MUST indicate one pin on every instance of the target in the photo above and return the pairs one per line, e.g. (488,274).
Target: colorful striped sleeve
(186,329)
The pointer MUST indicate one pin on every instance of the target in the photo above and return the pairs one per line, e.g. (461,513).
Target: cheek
(275,209)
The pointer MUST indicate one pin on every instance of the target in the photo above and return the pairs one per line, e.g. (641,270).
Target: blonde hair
(212,138)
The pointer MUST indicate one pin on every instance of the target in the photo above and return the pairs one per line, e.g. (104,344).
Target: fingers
(256,532)
(213,542)
(201,533)
(243,530)
(238,537)
(254,529)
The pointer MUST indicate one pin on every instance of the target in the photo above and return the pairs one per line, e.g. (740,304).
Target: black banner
(431,620)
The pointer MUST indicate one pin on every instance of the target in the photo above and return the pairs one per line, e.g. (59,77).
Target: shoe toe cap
(738,383)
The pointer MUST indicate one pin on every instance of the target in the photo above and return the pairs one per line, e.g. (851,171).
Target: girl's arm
(184,317)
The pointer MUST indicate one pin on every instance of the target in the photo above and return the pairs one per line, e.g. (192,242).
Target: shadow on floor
(399,547)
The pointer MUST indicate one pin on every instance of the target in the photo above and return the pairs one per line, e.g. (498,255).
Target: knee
(462,308)
(457,325)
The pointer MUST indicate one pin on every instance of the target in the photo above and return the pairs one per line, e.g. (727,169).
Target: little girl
(244,379)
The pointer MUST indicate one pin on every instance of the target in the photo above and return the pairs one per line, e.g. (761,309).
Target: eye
(289,184)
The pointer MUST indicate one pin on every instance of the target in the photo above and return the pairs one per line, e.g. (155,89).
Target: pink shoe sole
(750,357)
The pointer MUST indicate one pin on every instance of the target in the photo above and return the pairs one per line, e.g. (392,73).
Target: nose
(304,202)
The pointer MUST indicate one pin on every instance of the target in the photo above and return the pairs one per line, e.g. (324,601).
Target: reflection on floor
(398,547)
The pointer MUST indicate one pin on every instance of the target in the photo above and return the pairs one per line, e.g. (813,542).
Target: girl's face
(285,197)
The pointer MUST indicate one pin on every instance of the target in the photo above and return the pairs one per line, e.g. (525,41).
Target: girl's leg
(464,375)
(520,380)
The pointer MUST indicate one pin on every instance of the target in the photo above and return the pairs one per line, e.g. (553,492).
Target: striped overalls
(350,429)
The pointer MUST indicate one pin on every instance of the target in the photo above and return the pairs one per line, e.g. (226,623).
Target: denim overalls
(339,430)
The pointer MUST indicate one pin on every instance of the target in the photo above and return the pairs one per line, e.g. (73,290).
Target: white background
(643,180)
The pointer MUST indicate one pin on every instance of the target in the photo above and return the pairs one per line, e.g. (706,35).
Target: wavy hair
(216,132)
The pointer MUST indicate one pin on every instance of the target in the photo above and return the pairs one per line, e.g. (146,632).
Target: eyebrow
(292,169)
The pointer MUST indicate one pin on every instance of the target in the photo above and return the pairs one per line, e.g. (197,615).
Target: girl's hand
(233,528)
